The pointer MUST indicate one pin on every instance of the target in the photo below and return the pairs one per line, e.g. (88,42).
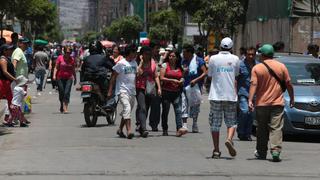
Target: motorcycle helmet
(95,47)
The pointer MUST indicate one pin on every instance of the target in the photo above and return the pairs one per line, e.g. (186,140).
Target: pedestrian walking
(65,74)
(7,76)
(194,73)
(116,56)
(155,111)
(19,92)
(223,69)
(171,76)
(40,61)
(19,60)
(146,83)
(52,64)
(269,80)
(245,118)
(124,77)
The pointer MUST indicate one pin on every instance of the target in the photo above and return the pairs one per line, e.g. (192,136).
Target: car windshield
(304,73)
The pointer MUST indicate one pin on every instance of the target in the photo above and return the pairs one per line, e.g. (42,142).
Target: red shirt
(172,74)
(148,74)
(66,68)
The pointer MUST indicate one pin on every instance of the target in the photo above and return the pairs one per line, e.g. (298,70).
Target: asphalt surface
(60,146)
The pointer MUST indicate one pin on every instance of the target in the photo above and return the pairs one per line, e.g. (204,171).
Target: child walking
(17,103)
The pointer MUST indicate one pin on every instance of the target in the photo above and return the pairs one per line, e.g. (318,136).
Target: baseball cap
(267,50)
(24,40)
(6,47)
(226,43)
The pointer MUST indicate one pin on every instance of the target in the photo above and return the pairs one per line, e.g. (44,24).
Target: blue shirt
(244,78)
(189,77)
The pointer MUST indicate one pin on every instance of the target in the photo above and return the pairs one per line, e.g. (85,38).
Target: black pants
(173,98)
(144,102)
(154,118)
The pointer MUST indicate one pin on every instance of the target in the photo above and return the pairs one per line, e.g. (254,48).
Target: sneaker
(8,124)
(275,156)
(195,128)
(144,134)
(24,124)
(230,147)
(260,156)
(216,155)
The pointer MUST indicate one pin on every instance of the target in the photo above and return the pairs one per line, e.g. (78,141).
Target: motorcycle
(94,102)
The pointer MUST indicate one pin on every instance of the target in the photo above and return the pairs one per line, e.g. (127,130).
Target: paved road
(59,146)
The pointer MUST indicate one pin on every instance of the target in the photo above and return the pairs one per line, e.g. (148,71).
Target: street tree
(165,25)
(218,16)
(127,28)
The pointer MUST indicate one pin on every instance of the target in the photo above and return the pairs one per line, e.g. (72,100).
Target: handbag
(150,87)
(281,82)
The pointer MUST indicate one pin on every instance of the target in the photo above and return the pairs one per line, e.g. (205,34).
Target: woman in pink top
(65,74)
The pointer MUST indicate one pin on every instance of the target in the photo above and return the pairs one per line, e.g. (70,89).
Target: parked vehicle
(94,102)
(304,117)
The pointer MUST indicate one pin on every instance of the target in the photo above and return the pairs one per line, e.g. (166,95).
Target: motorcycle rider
(96,66)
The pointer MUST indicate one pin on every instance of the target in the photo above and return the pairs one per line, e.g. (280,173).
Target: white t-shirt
(223,68)
(126,79)
(18,96)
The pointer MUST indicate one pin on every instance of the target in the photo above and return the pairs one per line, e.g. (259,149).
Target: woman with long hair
(146,82)
(7,75)
(171,76)
(65,74)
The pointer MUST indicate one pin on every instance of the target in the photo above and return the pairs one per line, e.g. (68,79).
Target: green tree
(165,25)
(127,28)
(220,16)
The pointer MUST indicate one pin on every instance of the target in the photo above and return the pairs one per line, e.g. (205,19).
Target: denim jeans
(245,118)
(144,103)
(64,86)
(40,74)
(155,111)
(173,98)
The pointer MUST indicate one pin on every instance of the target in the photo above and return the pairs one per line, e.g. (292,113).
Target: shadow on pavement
(303,138)
(4,131)
(97,126)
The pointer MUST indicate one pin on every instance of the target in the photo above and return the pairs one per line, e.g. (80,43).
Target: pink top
(66,69)
(148,74)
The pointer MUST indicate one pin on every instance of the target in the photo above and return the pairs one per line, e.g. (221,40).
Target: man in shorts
(223,69)
(124,77)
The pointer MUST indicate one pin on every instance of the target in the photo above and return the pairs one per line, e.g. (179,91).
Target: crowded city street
(60,146)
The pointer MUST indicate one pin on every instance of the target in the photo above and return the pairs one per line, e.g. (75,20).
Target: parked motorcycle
(94,104)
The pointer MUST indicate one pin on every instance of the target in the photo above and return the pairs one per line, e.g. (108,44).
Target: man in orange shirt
(269,101)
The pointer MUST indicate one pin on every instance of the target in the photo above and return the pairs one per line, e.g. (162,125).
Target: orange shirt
(269,92)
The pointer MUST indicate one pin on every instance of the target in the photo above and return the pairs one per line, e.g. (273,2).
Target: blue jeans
(64,86)
(245,118)
(40,73)
(173,98)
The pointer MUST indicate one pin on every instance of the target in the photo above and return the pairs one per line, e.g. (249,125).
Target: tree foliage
(127,28)
(220,16)
(42,15)
(165,25)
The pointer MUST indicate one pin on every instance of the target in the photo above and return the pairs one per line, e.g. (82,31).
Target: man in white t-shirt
(124,77)
(223,69)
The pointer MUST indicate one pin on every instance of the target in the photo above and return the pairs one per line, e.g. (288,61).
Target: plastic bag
(194,95)
(27,105)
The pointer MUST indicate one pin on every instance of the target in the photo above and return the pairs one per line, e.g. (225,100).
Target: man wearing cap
(223,69)
(19,60)
(269,102)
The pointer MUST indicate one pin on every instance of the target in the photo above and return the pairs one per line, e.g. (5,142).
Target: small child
(17,103)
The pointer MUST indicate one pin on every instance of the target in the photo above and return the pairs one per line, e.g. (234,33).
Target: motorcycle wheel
(90,115)
(111,118)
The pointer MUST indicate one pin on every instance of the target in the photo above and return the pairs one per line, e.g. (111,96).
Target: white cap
(21,80)
(162,50)
(226,43)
